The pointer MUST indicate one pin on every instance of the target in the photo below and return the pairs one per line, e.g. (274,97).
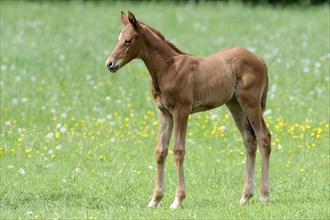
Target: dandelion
(25,99)
(30,213)
(14,101)
(3,67)
(22,171)
(288,163)
(268,112)
(63,129)
(50,135)
(61,57)
(88,77)
(28,150)
(8,124)
(78,170)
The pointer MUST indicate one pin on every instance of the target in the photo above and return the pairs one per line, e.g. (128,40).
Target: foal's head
(128,45)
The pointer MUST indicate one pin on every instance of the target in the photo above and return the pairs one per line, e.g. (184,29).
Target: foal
(183,84)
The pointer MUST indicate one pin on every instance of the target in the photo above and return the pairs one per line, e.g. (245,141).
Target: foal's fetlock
(156,198)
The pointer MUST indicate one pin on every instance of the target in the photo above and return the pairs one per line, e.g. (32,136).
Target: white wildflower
(50,135)
(63,129)
(8,124)
(22,171)
(30,213)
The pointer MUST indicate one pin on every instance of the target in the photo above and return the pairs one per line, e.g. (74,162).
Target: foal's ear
(133,21)
(123,18)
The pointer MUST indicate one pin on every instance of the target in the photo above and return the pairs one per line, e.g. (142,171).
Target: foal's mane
(161,36)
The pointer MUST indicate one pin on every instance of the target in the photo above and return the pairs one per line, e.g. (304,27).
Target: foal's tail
(264,93)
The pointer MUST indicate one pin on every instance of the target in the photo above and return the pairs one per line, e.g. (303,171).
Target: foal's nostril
(112,66)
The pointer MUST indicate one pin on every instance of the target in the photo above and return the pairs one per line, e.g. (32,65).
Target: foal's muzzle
(111,66)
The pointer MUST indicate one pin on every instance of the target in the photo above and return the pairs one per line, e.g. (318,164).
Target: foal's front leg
(165,121)
(180,126)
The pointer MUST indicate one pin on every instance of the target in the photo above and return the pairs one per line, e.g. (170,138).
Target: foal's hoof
(263,198)
(245,199)
(176,204)
(152,204)
(264,194)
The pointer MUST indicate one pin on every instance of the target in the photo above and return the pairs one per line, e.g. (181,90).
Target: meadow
(78,142)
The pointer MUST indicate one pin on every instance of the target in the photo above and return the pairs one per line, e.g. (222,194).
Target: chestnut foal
(183,84)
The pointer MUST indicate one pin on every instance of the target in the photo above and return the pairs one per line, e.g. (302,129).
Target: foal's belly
(208,103)
(201,108)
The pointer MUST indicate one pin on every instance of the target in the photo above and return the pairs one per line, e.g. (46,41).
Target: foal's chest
(163,103)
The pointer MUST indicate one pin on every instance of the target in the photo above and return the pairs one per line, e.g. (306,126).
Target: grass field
(78,142)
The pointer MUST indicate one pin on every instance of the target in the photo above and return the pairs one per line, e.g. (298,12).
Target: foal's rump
(250,71)
(243,60)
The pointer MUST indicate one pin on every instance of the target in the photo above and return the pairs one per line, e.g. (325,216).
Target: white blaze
(121,33)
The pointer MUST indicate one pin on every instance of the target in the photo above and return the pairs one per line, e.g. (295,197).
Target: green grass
(78,142)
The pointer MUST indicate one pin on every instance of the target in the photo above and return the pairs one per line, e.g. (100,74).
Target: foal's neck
(158,55)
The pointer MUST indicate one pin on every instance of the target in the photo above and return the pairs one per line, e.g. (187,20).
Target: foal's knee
(161,155)
(250,143)
(179,154)
(266,142)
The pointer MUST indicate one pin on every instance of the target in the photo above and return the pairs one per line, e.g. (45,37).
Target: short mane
(161,36)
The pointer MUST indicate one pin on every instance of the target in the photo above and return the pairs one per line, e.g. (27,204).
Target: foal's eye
(128,41)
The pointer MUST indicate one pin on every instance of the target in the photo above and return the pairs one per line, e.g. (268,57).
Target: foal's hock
(183,84)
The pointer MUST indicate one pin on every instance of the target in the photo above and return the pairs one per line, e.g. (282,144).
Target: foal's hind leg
(250,143)
(252,109)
